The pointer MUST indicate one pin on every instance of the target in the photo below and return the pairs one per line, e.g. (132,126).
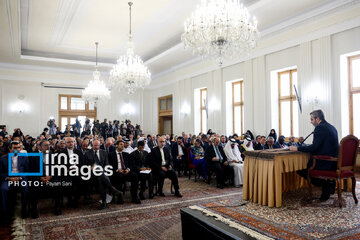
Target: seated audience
(140,159)
(233,155)
(124,171)
(261,145)
(162,167)
(197,155)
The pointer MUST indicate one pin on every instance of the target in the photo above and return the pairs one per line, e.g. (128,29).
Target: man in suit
(109,145)
(3,133)
(7,183)
(123,170)
(179,154)
(217,161)
(141,162)
(325,142)
(162,168)
(104,128)
(55,190)
(152,143)
(270,143)
(97,156)
(261,145)
(74,190)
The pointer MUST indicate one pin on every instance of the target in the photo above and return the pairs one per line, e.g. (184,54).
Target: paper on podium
(145,171)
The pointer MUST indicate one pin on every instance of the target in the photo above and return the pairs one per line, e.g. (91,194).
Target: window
(72,107)
(203,109)
(165,114)
(354,94)
(238,106)
(288,107)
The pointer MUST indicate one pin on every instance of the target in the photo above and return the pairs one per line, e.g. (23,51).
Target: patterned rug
(297,219)
(158,218)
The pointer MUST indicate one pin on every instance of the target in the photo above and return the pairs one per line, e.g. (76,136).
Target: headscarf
(247,141)
(232,153)
(197,151)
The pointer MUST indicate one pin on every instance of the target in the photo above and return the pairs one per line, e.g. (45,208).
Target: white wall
(318,64)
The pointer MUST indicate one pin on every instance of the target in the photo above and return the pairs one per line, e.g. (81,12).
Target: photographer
(87,127)
(51,124)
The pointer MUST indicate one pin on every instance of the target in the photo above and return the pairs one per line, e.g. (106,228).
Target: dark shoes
(161,194)
(103,206)
(178,194)
(120,199)
(58,211)
(220,186)
(34,214)
(141,195)
(136,200)
(151,195)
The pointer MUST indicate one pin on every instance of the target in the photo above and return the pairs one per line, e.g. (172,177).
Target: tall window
(354,93)
(238,106)
(288,107)
(203,109)
(72,107)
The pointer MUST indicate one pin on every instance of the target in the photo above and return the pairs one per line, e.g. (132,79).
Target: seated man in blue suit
(19,164)
(325,142)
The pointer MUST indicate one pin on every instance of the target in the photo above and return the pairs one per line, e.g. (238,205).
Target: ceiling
(61,33)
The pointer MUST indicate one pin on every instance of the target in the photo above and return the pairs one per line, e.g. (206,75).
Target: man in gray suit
(97,156)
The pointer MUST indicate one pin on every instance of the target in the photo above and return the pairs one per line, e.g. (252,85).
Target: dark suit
(181,163)
(151,144)
(118,178)
(140,162)
(103,181)
(54,191)
(325,142)
(5,187)
(158,172)
(75,189)
(108,149)
(218,166)
(258,146)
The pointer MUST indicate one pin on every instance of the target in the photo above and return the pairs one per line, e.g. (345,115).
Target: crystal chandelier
(130,73)
(96,91)
(220,29)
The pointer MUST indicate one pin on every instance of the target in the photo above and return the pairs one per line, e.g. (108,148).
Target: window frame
(202,107)
(291,98)
(236,104)
(69,113)
(352,91)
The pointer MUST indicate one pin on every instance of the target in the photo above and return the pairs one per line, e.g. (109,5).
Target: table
(268,173)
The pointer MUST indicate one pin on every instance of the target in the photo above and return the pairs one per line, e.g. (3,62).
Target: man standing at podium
(325,142)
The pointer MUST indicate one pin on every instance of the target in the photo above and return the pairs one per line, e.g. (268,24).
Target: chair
(348,151)
(191,166)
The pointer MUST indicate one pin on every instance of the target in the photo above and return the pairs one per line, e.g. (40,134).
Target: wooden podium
(269,173)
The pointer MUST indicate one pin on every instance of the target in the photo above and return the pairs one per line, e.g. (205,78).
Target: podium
(269,173)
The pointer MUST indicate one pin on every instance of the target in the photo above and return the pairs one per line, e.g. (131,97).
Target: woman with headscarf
(233,155)
(273,134)
(197,158)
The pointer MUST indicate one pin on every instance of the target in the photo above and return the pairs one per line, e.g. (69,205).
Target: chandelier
(130,73)
(96,91)
(220,29)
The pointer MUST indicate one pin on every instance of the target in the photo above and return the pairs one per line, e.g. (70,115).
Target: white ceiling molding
(62,60)
(308,15)
(38,68)
(355,22)
(165,53)
(65,14)
(24,17)
(10,26)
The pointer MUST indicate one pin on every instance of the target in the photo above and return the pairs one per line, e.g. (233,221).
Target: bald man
(161,165)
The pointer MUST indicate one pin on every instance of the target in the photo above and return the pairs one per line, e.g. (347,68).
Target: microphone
(307,137)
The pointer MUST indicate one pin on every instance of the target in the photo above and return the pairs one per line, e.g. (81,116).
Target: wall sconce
(185,109)
(20,106)
(127,109)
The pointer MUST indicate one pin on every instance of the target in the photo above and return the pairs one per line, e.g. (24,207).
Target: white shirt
(163,163)
(181,153)
(128,150)
(14,164)
(71,152)
(119,160)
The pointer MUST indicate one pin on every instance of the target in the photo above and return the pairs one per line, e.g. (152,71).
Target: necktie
(141,156)
(122,161)
(97,161)
(218,153)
